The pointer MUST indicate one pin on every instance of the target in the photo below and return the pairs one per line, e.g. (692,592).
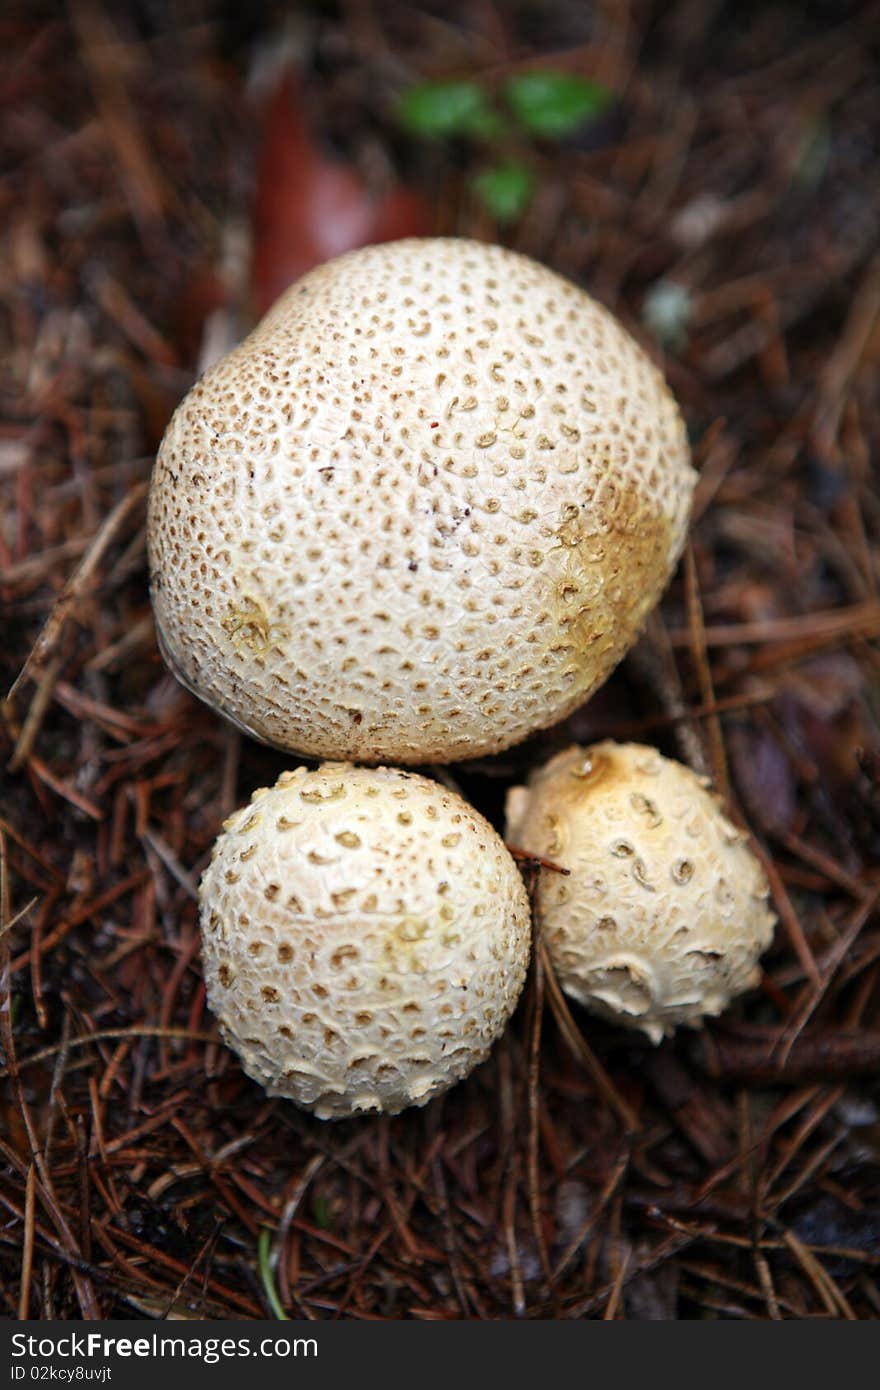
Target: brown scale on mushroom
(663,915)
(365,937)
(421,511)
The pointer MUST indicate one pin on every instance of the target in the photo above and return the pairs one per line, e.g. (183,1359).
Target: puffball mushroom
(422,511)
(365,937)
(664,913)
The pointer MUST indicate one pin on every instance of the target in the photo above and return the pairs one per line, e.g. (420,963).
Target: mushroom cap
(664,913)
(422,511)
(365,937)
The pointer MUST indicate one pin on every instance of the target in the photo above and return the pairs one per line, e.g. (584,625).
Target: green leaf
(552,104)
(505,191)
(444,108)
(487,124)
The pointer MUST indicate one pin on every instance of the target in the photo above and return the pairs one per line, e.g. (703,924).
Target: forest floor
(725,204)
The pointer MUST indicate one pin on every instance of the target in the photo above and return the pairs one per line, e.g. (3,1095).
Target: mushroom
(365,937)
(663,914)
(422,511)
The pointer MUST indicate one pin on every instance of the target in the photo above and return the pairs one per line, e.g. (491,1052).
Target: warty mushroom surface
(663,915)
(365,937)
(422,511)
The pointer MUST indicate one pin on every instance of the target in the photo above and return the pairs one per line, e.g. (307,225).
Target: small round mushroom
(365,937)
(663,914)
(421,511)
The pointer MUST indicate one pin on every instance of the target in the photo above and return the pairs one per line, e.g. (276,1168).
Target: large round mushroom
(422,511)
(365,937)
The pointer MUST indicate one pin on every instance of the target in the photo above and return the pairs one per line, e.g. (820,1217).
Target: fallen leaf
(310,208)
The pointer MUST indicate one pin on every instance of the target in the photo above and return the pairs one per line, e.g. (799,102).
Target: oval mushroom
(365,937)
(422,511)
(663,914)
